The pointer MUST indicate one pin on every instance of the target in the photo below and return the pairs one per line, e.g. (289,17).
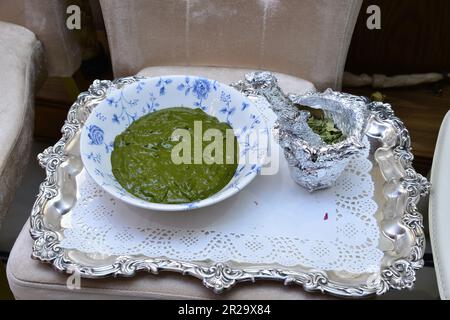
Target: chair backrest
(439,209)
(47,19)
(304,38)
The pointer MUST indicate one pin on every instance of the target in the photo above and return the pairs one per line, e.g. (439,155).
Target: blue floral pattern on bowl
(122,105)
(95,135)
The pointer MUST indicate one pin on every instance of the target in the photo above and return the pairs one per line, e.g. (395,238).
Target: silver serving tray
(402,236)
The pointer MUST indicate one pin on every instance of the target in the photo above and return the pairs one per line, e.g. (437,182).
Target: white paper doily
(272,220)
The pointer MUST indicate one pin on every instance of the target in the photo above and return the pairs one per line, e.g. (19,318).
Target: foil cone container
(314,164)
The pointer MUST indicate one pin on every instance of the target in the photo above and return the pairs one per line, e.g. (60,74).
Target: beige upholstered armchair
(33,42)
(47,20)
(21,68)
(304,41)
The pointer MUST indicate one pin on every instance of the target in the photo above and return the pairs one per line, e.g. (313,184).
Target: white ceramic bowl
(124,104)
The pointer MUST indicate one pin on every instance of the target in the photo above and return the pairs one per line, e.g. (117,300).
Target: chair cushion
(439,209)
(21,64)
(31,279)
(228,75)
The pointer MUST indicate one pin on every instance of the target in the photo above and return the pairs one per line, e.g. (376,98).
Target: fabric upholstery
(47,19)
(228,75)
(308,39)
(21,66)
(439,209)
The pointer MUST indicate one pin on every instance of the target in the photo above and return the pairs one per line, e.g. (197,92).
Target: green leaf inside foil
(325,128)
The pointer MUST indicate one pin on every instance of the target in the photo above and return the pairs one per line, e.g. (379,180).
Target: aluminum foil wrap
(314,164)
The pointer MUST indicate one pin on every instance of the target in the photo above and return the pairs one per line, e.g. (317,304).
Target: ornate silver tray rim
(55,199)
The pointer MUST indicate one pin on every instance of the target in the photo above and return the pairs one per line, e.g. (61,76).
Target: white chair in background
(439,209)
